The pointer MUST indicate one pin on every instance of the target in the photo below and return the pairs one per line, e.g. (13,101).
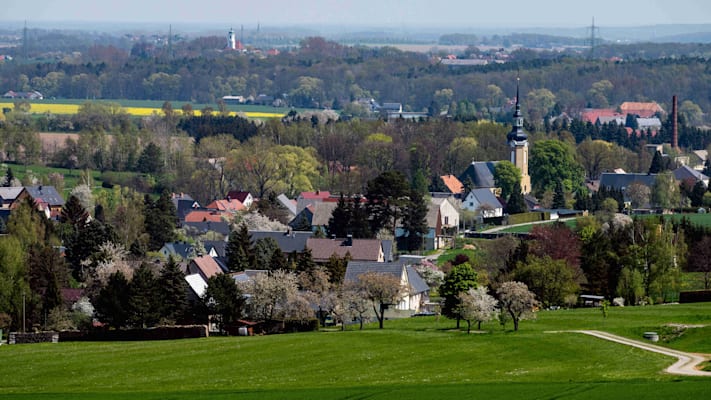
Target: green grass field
(414,358)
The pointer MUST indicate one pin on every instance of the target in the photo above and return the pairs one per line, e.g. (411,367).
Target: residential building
(416,292)
(359,249)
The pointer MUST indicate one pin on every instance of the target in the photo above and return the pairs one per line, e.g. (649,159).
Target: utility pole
(23,311)
(593,39)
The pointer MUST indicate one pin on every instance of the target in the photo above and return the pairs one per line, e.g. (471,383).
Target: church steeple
(518,142)
(517,133)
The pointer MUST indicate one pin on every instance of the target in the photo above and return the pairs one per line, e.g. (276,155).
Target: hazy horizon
(420,14)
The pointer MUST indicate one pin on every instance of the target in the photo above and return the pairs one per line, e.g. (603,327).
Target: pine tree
(239,250)
(414,221)
(359,225)
(112,303)
(305,261)
(657,164)
(9,177)
(160,218)
(73,213)
(558,196)
(173,288)
(516,203)
(143,300)
(339,223)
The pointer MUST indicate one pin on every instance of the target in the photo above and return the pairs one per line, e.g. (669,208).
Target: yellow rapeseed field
(71,109)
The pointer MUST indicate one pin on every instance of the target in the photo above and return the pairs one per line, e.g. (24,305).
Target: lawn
(414,358)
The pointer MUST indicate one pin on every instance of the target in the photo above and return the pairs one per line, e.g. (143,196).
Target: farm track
(686,364)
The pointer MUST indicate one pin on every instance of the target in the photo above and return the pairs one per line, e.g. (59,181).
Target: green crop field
(413,358)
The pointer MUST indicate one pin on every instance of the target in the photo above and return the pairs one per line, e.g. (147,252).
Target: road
(686,364)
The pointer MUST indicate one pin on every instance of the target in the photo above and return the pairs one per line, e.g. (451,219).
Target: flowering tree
(269,294)
(477,305)
(432,275)
(382,291)
(516,300)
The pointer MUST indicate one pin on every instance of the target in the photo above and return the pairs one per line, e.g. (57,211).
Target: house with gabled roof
(288,204)
(245,198)
(315,215)
(183,203)
(228,205)
(203,227)
(206,215)
(685,172)
(178,250)
(306,199)
(10,197)
(416,292)
(359,249)
(47,198)
(643,109)
(485,201)
(205,265)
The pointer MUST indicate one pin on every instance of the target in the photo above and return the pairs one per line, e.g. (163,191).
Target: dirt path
(686,364)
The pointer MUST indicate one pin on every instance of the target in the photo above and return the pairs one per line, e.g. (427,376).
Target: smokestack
(675,124)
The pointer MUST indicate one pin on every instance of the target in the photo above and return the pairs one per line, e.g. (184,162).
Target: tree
(558,196)
(48,274)
(144,303)
(551,280)
(151,160)
(517,301)
(639,194)
(414,221)
(596,156)
(553,161)
(264,249)
(658,164)
(239,249)
(339,222)
(697,194)
(630,286)
(387,196)
(73,213)
(13,280)
(382,290)
(159,219)
(172,288)
(477,305)
(224,300)
(460,278)
(83,243)
(9,178)
(665,193)
(516,203)
(112,303)
(270,294)
(507,177)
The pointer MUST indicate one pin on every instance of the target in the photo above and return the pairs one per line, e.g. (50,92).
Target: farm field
(138,108)
(414,358)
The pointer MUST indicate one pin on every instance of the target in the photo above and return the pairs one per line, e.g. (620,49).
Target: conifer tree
(338,224)
(516,203)
(558,196)
(239,250)
(173,288)
(143,299)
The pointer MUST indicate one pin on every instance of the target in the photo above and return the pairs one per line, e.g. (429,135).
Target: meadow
(140,108)
(414,358)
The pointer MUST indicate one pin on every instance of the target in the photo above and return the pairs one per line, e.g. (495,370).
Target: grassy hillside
(415,358)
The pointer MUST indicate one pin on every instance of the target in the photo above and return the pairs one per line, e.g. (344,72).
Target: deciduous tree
(461,278)
(382,290)
(517,301)
(477,305)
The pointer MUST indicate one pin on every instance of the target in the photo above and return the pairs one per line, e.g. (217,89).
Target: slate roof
(622,181)
(247,275)
(184,206)
(220,227)
(220,247)
(481,174)
(9,194)
(322,212)
(357,268)
(288,242)
(182,249)
(686,172)
(387,250)
(359,249)
(433,215)
(46,194)
(484,196)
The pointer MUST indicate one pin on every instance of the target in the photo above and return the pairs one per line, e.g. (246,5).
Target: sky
(380,13)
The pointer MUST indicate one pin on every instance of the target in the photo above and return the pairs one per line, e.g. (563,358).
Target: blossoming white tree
(516,300)
(477,305)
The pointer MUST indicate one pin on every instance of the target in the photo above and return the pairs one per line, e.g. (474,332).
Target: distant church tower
(231,41)
(518,142)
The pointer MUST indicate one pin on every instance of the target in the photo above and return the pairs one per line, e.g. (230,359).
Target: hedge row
(34,337)
(158,333)
(695,296)
(525,218)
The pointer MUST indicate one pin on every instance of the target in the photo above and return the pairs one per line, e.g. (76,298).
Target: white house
(484,201)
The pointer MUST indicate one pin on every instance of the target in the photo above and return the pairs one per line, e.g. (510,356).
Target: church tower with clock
(518,143)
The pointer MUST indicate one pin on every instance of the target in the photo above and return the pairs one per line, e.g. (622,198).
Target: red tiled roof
(207,265)
(204,216)
(226,205)
(315,195)
(453,184)
(591,115)
(644,110)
